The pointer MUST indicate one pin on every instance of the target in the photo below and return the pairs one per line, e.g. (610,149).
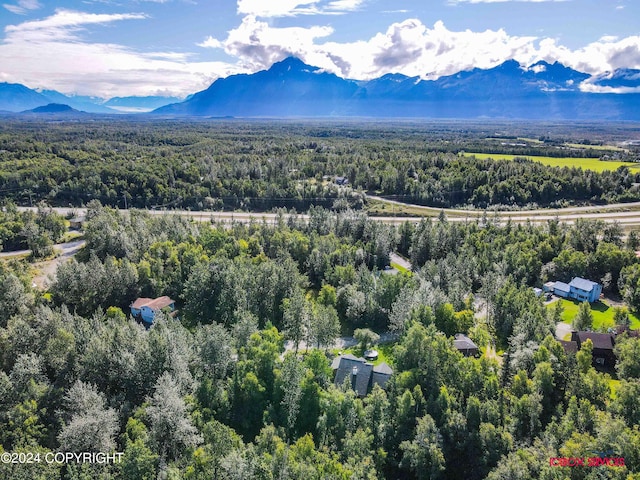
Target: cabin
(603,344)
(145,309)
(465,345)
(360,374)
(77,222)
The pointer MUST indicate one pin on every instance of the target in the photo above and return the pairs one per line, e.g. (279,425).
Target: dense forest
(213,393)
(227,164)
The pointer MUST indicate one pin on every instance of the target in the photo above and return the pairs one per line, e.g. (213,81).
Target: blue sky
(112,48)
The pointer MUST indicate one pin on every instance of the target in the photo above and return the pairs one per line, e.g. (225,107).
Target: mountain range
(16,98)
(541,91)
(291,88)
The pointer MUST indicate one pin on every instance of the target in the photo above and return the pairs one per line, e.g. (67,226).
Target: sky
(108,48)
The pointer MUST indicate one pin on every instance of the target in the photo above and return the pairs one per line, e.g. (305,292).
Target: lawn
(585,163)
(385,353)
(602,314)
(400,268)
(613,388)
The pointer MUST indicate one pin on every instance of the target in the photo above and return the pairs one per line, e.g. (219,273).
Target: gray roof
(380,379)
(335,364)
(360,373)
(462,342)
(582,284)
(563,287)
(383,368)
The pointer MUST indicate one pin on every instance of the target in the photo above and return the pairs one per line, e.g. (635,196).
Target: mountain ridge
(509,90)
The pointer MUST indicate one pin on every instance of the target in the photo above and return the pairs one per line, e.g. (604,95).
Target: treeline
(233,165)
(36,231)
(214,395)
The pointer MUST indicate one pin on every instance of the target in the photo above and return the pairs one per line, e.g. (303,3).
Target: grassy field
(602,314)
(400,268)
(377,207)
(585,163)
(595,147)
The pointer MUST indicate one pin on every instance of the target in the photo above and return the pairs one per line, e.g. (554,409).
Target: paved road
(65,250)
(626,214)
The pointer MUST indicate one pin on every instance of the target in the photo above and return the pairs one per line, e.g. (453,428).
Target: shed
(465,345)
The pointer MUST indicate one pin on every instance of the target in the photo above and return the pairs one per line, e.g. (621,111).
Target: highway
(627,215)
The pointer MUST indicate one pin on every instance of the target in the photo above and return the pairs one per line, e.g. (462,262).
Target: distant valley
(16,98)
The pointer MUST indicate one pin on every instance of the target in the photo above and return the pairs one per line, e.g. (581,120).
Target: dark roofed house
(145,309)
(569,346)
(465,345)
(603,344)
(360,374)
(381,374)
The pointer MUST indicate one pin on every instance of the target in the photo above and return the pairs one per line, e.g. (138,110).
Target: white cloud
(51,53)
(595,58)
(283,8)
(345,5)
(23,6)
(591,88)
(453,2)
(412,48)
(258,45)
(407,47)
(62,25)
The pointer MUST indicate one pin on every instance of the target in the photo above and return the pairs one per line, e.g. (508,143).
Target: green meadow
(602,314)
(585,163)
